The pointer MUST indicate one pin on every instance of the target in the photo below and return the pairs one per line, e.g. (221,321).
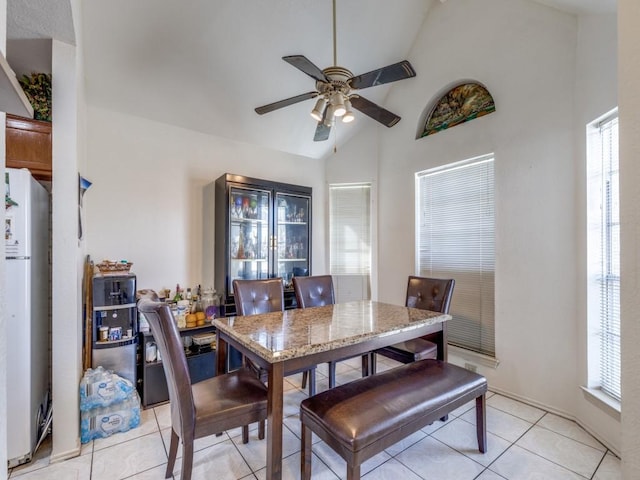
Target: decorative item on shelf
(210,304)
(240,253)
(107,266)
(282,210)
(37,87)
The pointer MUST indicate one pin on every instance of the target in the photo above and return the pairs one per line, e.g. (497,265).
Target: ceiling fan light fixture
(337,100)
(318,110)
(329,116)
(348,114)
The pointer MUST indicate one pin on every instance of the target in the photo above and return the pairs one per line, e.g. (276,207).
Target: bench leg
(481,423)
(305,454)
(372,363)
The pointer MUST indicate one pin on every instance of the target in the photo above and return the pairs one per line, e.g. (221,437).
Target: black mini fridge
(115,323)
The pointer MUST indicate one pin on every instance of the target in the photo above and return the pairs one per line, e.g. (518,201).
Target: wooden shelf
(28,145)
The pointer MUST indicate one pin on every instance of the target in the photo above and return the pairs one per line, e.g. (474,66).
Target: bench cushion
(375,412)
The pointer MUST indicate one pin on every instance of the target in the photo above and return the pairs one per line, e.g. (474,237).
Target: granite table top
(280,336)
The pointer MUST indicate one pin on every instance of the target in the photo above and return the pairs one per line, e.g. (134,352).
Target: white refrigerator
(27,292)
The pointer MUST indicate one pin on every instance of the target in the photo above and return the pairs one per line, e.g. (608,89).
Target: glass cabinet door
(249,234)
(292,236)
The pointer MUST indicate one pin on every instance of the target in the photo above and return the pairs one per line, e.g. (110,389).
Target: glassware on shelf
(282,210)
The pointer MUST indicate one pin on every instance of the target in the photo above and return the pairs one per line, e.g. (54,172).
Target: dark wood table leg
(274,421)
(442,352)
(221,356)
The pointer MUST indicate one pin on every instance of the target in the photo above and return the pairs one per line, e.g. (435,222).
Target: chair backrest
(258,296)
(167,338)
(314,291)
(430,293)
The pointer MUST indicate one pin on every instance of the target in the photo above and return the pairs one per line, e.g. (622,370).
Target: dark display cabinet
(262,230)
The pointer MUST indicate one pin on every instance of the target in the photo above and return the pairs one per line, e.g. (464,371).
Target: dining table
(292,340)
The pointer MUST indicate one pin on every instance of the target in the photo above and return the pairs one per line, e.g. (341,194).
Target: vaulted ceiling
(206,64)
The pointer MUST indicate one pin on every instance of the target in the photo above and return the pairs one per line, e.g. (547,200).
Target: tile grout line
(512,443)
(540,456)
(598,466)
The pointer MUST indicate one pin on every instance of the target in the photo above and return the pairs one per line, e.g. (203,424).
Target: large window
(604,255)
(455,239)
(350,240)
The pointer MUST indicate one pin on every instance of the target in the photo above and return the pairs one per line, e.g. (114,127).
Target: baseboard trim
(560,413)
(62,456)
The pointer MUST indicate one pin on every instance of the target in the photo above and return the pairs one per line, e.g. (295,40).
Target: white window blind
(350,237)
(350,229)
(455,239)
(609,275)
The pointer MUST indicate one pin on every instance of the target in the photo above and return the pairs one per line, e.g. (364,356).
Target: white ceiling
(206,64)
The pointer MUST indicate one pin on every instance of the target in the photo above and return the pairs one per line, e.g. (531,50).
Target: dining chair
(209,407)
(427,294)
(264,296)
(317,291)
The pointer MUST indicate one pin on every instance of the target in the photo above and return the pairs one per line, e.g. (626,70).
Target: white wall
(145,204)
(629,78)
(67,267)
(525,54)
(528,56)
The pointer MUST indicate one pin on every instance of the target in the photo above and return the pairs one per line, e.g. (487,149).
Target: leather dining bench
(361,418)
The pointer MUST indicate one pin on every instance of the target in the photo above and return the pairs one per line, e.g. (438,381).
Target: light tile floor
(524,443)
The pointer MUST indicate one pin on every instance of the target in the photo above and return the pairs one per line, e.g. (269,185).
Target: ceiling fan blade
(374,111)
(388,74)
(305,65)
(322,130)
(285,103)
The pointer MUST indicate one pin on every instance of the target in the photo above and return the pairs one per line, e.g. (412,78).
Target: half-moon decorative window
(460,104)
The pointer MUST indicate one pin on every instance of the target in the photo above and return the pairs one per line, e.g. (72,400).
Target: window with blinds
(603,171)
(350,240)
(455,239)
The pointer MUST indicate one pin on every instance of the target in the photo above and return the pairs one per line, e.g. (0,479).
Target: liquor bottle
(178,296)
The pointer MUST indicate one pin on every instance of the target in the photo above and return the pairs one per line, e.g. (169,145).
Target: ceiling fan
(337,88)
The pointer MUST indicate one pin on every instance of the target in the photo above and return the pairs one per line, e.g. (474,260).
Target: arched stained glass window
(460,104)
